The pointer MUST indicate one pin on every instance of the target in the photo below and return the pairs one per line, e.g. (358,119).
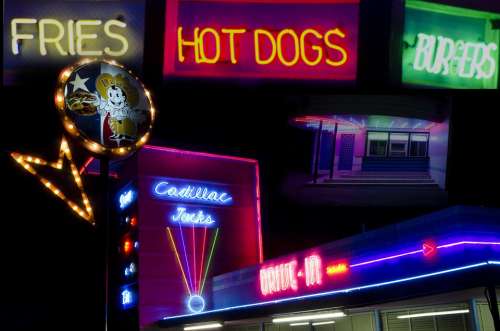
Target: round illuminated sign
(105,107)
(196,303)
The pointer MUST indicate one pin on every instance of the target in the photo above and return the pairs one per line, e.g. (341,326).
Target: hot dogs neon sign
(308,46)
(248,43)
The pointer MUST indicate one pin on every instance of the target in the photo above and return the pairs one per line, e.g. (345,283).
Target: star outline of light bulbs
(29,163)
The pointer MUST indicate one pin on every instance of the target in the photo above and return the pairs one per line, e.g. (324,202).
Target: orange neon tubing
(178,259)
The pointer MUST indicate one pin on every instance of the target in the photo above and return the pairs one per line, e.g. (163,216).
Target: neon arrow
(429,248)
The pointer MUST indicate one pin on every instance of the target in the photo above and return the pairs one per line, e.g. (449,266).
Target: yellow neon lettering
(231,33)
(80,37)
(42,28)
(318,49)
(335,32)
(201,46)
(19,36)
(296,47)
(257,34)
(71,37)
(113,35)
(181,43)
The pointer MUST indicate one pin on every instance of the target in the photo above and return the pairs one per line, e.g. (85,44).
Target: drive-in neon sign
(284,276)
(257,39)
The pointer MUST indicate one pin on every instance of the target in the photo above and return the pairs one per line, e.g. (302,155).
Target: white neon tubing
(203,327)
(308,317)
(299,324)
(323,323)
(437,313)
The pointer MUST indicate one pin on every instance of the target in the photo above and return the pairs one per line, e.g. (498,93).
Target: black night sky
(50,257)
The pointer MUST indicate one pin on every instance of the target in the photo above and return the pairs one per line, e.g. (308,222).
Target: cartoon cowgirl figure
(116,100)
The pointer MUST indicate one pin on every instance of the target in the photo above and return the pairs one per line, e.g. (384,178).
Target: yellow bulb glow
(64,152)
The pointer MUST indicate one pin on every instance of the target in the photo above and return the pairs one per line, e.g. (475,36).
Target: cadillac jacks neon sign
(190,192)
(191,195)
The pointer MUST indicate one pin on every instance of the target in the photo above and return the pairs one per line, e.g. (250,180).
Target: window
(377,143)
(451,322)
(399,144)
(419,144)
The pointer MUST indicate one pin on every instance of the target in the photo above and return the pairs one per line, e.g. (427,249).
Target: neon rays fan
(193,260)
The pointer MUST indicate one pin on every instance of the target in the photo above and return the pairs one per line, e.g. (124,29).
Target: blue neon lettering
(196,218)
(126,198)
(191,192)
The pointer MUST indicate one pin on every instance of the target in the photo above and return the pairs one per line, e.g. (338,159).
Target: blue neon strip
(347,290)
(421,251)
(385,258)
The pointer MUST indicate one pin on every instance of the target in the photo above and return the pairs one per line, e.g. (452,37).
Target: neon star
(29,163)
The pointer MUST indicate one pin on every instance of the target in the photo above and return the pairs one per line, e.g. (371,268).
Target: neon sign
(439,54)
(53,33)
(196,218)
(126,198)
(284,276)
(68,37)
(444,56)
(308,41)
(188,192)
(128,296)
(250,44)
(280,278)
(336,269)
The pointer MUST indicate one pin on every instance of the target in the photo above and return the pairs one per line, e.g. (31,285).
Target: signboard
(195,215)
(105,107)
(438,53)
(337,270)
(296,39)
(52,34)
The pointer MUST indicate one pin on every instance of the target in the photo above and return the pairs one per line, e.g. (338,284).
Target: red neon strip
(86,164)
(281,75)
(194,262)
(259,221)
(217,156)
(202,256)
(278,1)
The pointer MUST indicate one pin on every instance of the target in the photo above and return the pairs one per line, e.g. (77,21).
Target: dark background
(50,257)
